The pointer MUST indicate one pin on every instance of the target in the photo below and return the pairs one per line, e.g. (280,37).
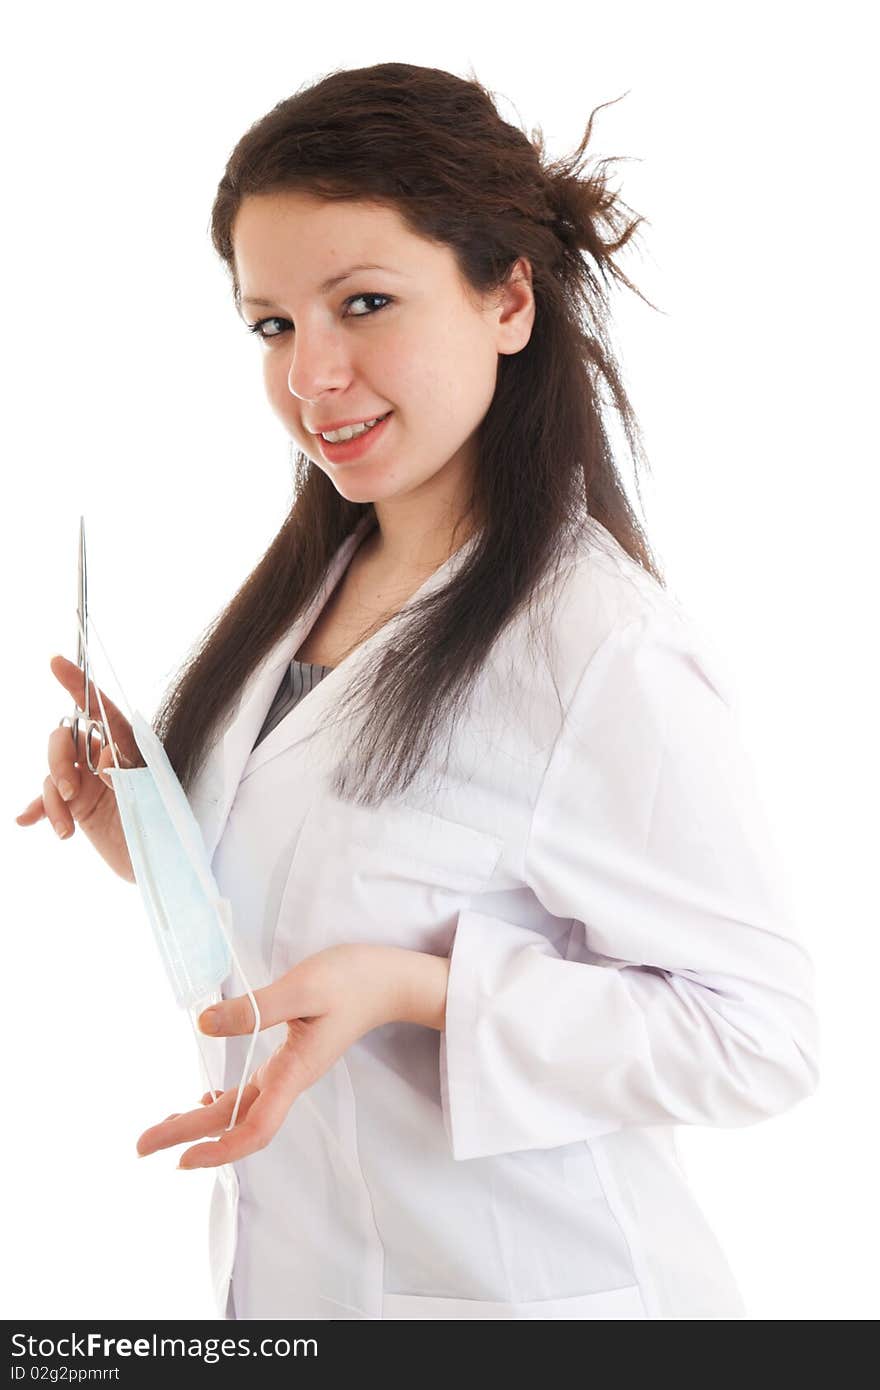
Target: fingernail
(61,830)
(66,790)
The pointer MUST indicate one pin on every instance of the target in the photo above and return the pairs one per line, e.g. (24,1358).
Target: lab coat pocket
(392,875)
(610,1304)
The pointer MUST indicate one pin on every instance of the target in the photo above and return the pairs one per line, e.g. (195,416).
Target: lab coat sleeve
(679,993)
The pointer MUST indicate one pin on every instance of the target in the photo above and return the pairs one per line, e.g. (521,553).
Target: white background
(133,394)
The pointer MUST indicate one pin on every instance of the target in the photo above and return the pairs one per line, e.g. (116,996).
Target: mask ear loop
(220,905)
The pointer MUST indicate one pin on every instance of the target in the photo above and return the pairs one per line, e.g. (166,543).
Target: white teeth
(350,431)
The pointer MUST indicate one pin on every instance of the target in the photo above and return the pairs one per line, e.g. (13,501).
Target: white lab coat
(596,863)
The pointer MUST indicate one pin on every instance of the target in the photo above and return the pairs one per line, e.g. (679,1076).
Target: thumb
(105,762)
(294,995)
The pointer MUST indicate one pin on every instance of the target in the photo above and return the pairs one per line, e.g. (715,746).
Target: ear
(516,308)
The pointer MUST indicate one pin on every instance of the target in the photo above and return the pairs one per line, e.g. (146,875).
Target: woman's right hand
(72,795)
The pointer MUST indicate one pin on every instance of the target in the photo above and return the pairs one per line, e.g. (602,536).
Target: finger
(106,761)
(32,813)
(75,781)
(290,1070)
(294,995)
(72,677)
(62,756)
(260,1116)
(83,788)
(57,811)
(192,1124)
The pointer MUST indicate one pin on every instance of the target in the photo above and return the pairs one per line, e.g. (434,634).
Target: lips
(345,424)
(350,450)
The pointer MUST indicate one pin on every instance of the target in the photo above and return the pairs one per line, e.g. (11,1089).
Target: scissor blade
(82,605)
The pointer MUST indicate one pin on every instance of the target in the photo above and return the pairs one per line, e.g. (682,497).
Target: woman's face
(405,339)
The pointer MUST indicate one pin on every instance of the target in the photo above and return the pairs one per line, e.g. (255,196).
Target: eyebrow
(326,285)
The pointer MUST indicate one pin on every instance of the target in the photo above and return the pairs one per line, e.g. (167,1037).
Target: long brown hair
(434,147)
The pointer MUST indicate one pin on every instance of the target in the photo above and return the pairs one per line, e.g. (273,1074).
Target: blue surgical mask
(191,920)
(172,871)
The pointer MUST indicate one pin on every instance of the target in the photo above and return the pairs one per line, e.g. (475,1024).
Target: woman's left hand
(327,1001)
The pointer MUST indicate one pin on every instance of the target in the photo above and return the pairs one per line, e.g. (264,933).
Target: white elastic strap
(200,1045)
(112,672)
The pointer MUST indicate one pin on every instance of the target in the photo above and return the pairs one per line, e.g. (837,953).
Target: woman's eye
(258,327)
(355,297)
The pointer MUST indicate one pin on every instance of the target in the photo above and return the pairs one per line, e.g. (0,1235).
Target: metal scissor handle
(90,726)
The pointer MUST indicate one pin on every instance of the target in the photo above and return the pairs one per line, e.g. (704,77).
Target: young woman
(469,776)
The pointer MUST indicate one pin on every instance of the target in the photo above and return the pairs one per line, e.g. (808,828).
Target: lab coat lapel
(313,713)
(214,788)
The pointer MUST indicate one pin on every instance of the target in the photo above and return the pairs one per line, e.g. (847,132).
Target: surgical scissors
(82,659)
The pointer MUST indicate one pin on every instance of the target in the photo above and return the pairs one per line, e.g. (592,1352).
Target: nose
(318,364)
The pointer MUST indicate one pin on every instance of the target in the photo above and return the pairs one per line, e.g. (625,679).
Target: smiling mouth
(360,428)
